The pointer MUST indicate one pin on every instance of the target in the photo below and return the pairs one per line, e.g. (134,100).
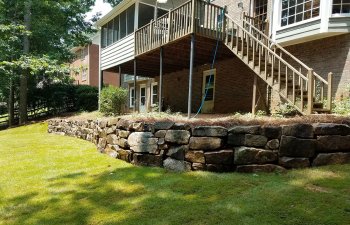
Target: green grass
(49,179)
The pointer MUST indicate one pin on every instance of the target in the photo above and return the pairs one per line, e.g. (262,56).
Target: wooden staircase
(294,81)
(297,83)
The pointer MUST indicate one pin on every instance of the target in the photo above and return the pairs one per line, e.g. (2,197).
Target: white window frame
(84,74)
(152,93)
(338,14)
(280,27)
(131,102)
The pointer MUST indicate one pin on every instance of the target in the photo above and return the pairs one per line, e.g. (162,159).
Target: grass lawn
(49,179)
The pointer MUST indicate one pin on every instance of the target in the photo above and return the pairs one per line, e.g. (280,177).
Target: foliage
(286,110)
(113,2)
(86,97)
(113,100)
(342,106)
(62,180)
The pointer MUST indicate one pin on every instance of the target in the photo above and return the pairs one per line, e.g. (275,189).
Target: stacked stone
(181,147)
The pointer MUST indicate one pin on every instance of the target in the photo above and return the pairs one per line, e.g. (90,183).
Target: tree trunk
(23,117)
(11,111)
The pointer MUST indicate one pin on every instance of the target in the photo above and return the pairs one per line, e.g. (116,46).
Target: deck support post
(254,94)
(120,76)
(135,87)
(189,107)
(100,86)
(160,96)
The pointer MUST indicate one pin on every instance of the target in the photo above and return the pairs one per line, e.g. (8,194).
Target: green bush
(342,106)
(113,100)
(86,98)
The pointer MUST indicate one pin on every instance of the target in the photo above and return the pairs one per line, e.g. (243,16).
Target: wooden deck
(176,56)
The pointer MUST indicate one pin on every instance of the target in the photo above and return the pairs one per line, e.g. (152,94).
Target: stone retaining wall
(181,147)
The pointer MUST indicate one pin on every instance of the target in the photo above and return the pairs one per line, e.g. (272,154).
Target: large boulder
(160,134)
(273,144)
(147,160)
(143,142)
(206,143)
(123,124)
(209,131)
(249,155)
(245,129)
(294,163)
(271,132)
(195,156)
(138,138)
(180,137)
(296,147)
(267,168)
(112,139)
(333,143)
(331,158)
(235,139)
(125,155)
(219,157)
(198,166)
(298,130)
(331,129)
(177,152)
(253,140)
(112,121)
(176,165)
(123,133)
(163,125)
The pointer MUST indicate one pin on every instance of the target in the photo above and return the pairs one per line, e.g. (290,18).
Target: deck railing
(194,16)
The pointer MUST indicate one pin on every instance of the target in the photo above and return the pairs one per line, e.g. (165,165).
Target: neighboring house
(85,66)
(267,52)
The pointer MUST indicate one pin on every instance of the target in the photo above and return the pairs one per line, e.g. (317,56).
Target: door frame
(208,106)
(140,95)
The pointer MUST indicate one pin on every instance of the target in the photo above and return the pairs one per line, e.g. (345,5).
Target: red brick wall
(109,77)
(234,82)
(327,55)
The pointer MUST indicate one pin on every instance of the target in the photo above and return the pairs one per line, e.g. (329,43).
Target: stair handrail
(268,49)
(285,51)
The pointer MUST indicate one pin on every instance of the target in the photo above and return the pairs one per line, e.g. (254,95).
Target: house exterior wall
(233,93)
(327,55)
(90,62)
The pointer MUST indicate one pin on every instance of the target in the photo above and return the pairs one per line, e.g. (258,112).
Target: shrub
(86,98)
(113,100)
(286,110)
(342,106)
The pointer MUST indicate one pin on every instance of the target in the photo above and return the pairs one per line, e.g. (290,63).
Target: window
(132,97)
(84,74)
(130,19)
(294,11)
(154,94)
(341,7)
(260,10)
(118,27)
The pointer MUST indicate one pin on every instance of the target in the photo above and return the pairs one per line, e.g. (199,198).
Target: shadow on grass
(136,195)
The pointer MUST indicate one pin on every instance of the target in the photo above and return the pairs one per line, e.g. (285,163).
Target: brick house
(266,53)
(85,66)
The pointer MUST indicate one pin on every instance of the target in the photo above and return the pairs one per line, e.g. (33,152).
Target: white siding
(118,53)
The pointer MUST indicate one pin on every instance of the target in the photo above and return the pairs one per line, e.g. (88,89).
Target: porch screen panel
(104,36)
(341,7)
(116,29)
(110,33)
(122,24)
(146,14)
(131,19)
(294,11)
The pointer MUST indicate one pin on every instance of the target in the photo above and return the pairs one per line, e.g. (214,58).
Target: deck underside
(176,56)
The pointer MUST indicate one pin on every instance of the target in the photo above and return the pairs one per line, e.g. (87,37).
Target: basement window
(341,7)
(294,11)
